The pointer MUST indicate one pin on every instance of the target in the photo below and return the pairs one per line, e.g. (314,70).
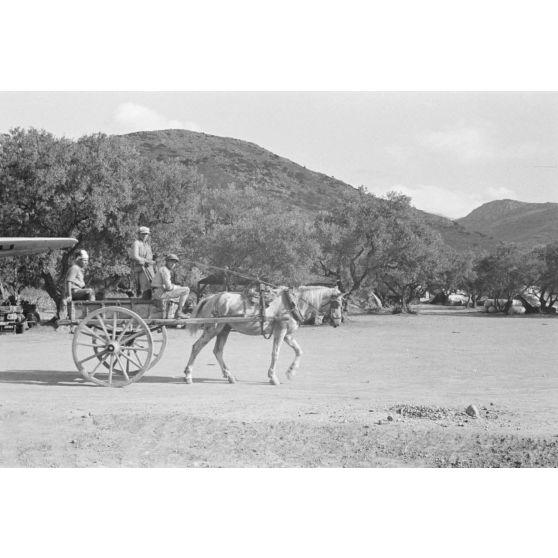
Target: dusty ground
(380,391)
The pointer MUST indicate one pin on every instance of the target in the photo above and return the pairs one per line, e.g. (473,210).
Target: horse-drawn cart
(116,341)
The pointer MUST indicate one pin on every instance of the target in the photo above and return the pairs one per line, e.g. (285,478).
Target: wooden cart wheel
(113,347)
(159,334)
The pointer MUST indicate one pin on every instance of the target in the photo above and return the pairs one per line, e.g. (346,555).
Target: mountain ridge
(524,223)
(222,161)
(229,160)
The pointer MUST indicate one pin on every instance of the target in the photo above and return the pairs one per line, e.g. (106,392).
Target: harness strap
(262,313)
(292,307)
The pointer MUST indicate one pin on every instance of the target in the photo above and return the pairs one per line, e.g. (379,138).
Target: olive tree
(547,281)
(247,232)
(381,244)
(507,273)
(96,189)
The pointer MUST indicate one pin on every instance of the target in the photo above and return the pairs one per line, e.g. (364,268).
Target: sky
(449,151)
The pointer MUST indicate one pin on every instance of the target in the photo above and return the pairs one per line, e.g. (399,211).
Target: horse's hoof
(231,379)
(290,374)
(188,379)
(274,380)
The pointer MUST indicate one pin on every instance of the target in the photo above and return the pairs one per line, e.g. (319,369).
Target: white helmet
(82,255)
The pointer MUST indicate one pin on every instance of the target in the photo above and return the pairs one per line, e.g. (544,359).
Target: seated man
(75,284)
(164,289)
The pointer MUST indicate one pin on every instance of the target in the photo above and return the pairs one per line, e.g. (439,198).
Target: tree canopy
(380,242)
(98,189)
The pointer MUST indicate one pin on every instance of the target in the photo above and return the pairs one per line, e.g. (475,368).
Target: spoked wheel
(159,335)
(113,347)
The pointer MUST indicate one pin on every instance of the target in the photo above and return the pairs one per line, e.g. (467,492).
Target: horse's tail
(197,312)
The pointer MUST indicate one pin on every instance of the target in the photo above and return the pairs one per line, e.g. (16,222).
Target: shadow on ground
(44,377)
(71,378)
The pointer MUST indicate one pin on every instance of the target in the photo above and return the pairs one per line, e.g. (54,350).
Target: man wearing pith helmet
(142,262)
(164,289)
(75,283)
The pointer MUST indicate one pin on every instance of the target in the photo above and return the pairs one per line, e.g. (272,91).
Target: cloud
(449,203)
(466,143)
(531,151)
(501,193)
(131,117)
(482,142)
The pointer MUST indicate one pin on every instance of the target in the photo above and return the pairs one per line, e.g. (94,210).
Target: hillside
(458,236)
(227,160)
(514,221)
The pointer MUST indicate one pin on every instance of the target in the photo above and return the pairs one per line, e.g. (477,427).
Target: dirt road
(379,391)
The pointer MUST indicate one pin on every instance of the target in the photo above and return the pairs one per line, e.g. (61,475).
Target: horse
(287,309)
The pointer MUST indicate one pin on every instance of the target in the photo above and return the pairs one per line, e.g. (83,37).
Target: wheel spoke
(122,367)
(101,361)
(111,364)
(135,336)
(140,342)
(128,322)
(137,359)
(94,355)
(89,332)
(117,344)
(129,360)
(114,326)
(101,320)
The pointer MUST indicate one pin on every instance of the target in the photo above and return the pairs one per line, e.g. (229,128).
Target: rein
(242,276)
(288,300)
(225,270)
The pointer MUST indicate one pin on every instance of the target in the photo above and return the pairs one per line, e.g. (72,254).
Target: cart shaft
(178,321)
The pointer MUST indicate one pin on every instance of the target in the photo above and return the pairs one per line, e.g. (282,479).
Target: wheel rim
(159,335)
(113,347)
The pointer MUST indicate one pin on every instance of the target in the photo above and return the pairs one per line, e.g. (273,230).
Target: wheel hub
(113,347)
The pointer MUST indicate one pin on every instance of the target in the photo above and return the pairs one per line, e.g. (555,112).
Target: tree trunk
(508,307)
(497,304)
(54,290)
(406,299)
(528,307)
